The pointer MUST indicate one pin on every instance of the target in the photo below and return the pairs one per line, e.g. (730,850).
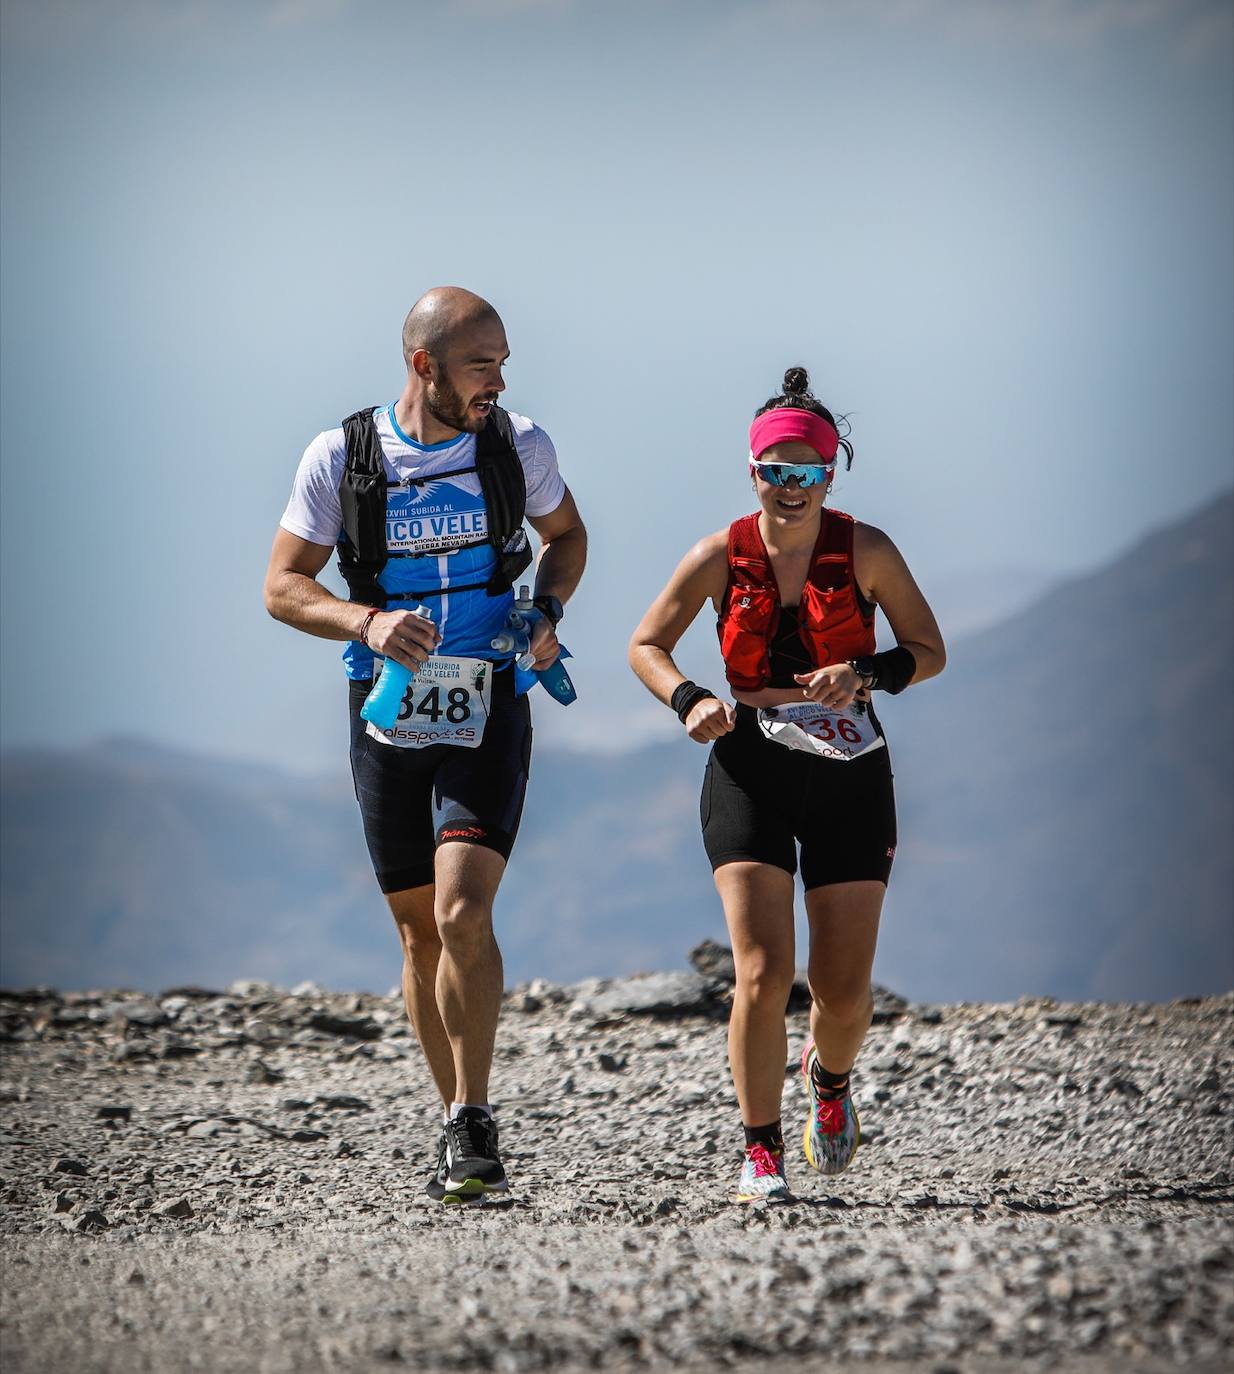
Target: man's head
(455,346)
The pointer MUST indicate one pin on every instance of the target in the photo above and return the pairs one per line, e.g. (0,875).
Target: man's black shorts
(761,800)
(412,800)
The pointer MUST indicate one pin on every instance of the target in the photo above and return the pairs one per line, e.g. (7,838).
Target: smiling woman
(799,761)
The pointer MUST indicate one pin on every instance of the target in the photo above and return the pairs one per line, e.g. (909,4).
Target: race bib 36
(816,729)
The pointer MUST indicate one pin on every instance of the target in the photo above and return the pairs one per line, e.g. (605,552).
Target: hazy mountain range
(1066,809)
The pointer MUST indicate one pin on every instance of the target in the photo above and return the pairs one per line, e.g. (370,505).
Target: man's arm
(563,555)
(294,596)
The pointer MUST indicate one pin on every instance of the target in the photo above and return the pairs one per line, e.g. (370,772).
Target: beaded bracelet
(364,629)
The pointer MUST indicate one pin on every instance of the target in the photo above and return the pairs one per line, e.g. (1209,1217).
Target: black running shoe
(471,1153)
(436,1185)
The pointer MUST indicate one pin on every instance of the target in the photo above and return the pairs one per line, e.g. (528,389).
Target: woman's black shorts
(412,800)
(761,800)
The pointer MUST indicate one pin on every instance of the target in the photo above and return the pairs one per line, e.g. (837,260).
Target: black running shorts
(412,800)
(761,800)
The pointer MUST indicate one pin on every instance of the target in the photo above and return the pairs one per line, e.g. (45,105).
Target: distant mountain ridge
(1065,803)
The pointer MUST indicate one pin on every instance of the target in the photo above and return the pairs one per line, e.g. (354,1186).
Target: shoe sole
(471,1190)
(746,1198)
(805,1139)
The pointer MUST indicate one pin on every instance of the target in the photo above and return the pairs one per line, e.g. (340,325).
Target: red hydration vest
(831,624)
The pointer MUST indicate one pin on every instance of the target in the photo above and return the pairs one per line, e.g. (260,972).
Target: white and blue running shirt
(430,520)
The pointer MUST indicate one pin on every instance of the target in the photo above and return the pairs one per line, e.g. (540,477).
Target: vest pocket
(744,629)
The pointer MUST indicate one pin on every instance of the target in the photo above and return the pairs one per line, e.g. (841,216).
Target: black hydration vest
(362,494)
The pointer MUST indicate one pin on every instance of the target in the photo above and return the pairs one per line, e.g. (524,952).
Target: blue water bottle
(381,706)
(516,639)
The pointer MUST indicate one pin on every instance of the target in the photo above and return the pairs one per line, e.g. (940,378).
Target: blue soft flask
(381,706)
(516,639)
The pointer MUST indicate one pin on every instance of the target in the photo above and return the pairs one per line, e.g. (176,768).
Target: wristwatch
(550,608)
(866,670)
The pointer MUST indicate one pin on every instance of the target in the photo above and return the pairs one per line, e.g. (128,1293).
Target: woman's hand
(835,686)
(709,719)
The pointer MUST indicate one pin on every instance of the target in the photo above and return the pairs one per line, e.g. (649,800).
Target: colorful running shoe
(833,1131)
(471,1152)
(436,1185)
(762,1176)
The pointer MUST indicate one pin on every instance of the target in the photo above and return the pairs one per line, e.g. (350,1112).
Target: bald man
(425,500)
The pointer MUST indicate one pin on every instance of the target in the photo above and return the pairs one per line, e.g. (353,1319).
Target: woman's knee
(845,1002)
(764,976)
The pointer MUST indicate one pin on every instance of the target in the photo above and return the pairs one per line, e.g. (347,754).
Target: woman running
(801,760)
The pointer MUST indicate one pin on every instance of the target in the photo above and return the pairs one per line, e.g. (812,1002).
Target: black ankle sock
(769,1137)
(828,1084)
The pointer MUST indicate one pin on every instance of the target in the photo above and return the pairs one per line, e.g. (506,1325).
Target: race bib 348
(446,702)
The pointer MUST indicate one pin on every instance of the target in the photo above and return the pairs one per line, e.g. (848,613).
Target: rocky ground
(232,1181)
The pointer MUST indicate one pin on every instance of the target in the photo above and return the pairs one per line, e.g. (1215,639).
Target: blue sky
(998,234)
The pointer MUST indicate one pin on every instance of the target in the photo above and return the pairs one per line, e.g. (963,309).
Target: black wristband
(686,697)
(891,671)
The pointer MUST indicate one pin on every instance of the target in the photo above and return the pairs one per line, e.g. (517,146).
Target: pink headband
(785,424)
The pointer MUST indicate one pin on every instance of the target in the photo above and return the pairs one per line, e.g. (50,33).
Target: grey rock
(141,1012)
(169,1046)
(714,960)
(179,1209)
(115,1113)
(261,1072)
(250,988)
(89,1220)
(65,1165)
(351,1027)
(651,994)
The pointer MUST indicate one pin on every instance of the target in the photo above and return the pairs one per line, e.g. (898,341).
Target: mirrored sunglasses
(807,474)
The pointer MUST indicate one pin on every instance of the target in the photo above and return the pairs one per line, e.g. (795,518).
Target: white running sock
(456,1107)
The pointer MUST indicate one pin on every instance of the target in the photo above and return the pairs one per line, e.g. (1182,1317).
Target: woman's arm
(884,578)
(700,576)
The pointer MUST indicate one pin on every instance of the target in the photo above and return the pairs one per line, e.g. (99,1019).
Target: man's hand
(835,686)
(709,719)
(406,638)
(544,643)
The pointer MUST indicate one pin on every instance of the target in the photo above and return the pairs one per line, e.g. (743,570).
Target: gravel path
(232,1182)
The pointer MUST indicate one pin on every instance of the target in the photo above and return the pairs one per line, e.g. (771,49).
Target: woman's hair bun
(796,382)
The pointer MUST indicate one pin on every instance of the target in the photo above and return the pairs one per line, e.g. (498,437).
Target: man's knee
(464,923)
(415,921)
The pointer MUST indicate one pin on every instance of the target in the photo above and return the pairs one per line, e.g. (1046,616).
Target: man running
(425,501)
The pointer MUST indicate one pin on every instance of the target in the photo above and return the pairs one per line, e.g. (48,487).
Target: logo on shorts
(463,832)
(891,853)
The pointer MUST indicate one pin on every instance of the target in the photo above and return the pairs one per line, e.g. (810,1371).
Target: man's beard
(447,407)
